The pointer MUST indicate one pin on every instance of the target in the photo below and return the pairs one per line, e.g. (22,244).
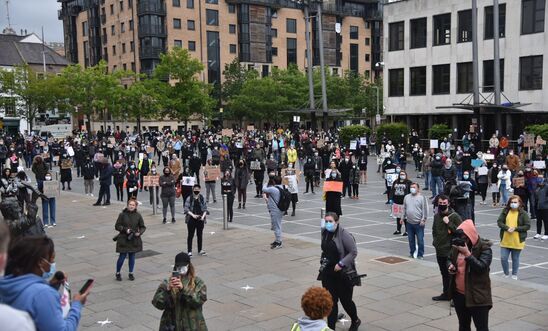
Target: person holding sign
(195,211)
(242,178)
(228,187)
(258,177)
(132,181)
(210,180)
(400,188)
(518,185)
(332,193)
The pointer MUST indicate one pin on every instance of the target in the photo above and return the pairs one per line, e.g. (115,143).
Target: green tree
(142,99)
(439,131)
(183,95)
(352,132)
(397,132)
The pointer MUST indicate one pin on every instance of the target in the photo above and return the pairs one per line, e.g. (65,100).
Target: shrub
(352,132)
(538,129)
(439,131)
(393,131)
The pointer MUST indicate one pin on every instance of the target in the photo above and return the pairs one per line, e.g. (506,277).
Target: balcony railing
(150,52)
(151,8)
(152,30)
(269,3)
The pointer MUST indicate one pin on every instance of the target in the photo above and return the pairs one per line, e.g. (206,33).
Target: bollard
(225,215)
(153,188)
(322,213)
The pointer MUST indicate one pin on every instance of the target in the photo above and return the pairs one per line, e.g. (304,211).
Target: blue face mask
(330,226)
(49,274)
(465,176)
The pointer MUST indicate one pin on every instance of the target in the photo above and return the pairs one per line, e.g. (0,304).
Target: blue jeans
(504,254)
(437,185)
(121,260)
(418,230)
(427,179)
(48,210)
(504,193)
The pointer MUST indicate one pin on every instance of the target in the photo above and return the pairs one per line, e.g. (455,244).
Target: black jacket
(88,170)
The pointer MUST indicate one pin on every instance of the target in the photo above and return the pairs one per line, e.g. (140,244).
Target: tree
(397,132)
(142,99)
(235,75)
(184,95)
(439,131)
(352,132)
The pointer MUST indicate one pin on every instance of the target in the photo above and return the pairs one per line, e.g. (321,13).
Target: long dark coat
(129,220)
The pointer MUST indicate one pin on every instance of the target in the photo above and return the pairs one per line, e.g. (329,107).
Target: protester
(316,303)
(344,168)
(400,188)
(272,195)
(88,172)
(493,184)
(228,187)
(132,180)
(415,210)
(241,178)
(309,173)
(210,184)
(105,180)
(181,298)
(130,226)
(513,223)
(195,209)
(119,174)
(48,206)
(66,171)
(436,171)
(333,198)
(504,184)
(541,198)
(167,183)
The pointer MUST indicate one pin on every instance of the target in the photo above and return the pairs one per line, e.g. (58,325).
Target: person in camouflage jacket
(181,298)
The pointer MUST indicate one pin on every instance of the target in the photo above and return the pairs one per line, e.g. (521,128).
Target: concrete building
(262,34)
(428,62)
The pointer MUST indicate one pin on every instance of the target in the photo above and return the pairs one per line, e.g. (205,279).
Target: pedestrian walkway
(251,287)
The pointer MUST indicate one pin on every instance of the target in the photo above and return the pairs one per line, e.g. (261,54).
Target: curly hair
(316,303)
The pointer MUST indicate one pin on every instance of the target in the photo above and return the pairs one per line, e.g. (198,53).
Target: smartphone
(86,286)
(175,274)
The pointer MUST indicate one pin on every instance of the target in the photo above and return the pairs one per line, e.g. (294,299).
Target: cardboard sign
(529,140)
(540,141)
(539,165)
(434,143)
(250,128)
(332,186)
(477,163)
(353,144)
(320,143)
(227,132)
(518,181)
(150,149)
(52,189)
(291,183)
(397,210)
(488,156)
(483,171)
(55,158)
(363,141)
(70,151)
(255,165)
(211,173)
(149,181)
(188,181)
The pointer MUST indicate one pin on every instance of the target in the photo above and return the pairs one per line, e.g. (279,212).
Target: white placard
(188,181)
(239,144)
(292,184)
(391,178)
(363,141)
(539,165)
(70,151)
(434,143)
(353,144)
(488,156)
(482,171)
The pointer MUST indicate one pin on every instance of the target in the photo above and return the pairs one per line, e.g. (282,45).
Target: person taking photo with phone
(181,298)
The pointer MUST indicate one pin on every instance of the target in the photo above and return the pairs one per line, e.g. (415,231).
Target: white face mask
(48,177)
(413,190)
(183,270)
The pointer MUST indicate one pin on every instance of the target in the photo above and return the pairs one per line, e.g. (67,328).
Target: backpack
(285,198)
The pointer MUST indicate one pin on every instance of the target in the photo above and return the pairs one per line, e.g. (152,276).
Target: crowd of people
(456,172)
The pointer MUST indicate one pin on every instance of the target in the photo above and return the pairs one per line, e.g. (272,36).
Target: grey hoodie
(306,324)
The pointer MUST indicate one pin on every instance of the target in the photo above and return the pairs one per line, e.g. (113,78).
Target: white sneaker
(545,237)
(506,276)
(537,236)
(514,277)
(91,195)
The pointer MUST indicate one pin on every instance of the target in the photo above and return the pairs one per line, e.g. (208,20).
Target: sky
(33,15)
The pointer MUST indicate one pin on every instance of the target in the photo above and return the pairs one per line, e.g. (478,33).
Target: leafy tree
(142,98)
(352,132)
(397,132)
(439,131)
(538,130)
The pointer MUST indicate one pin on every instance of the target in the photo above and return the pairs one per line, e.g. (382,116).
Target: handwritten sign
(149,181)
(518,181)
(539,164)
(482,171)
(477,163)
(320,143)
(150,149)
(211,173)
(227,132)
(332,186)
(434,143)
(363,141)
(51,189)
(529,140)
(488,156)
(255,165)
(188,181)
(353,144)
(391,178)
(397,210)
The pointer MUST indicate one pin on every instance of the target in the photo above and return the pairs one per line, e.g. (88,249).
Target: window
(113,49)
(367,41)
(176,3)
(112,30)
(190,4)
(354,66)
(133,67)
(274,51)
(177,23)
(123,48)
(442,29)
(465,79)
(367,57)
(122,5)
(488,23)
(191,45)
(85,29)
(489,75)
(291,50)
(418,33)
(232,28)
(130,3)
(532,16)
(231,9)
(417,81)
(396,36)
(212,17)
(465,26)
(367,25)
(367,74)
(178,43)
(441,75)
(354,34)
(232,48)
(213,2)
(122,27)
(124,66)
(395,82)
(291,25)
(335,71)
(190,25)
(111,9)
(130,25)
(274,33)
(131,46)
(530,73)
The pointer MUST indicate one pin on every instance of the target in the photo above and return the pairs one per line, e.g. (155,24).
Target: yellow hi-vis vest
(297,327)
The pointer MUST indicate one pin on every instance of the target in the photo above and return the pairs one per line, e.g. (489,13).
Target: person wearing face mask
(344,168)
(228,188)
(436,172)
(181,298)
(258,178)
(493,144)
(132,181)
(130,226)
(446,221)
(355,181)
(513,162)
(504,183)
(541,206)
(493,183)
(389,171)
(520,189)
(154,172)
(48,206)
(118,176)
(241,178)
(25,287)
(333,199)
(175,165)
(473,186)
(339,253)
(318,168)
(144,166)
(195,209)
(514,223)
(470,285)
(66,171)
(415,211)
(167,183)
(400,188)
(309,173)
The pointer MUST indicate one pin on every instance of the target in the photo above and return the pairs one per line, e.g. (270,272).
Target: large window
(176,3)
(465,26)
(488,23)
(442,29)
(489,75)
(465,79)
(190,4)
(191,45)
(291,25)
(354,34)
(530,73)
(418,33)
(396,36)
(441,79)
(212,17)
(417,81)
(532,16)
(354,57)
(291,50)
(395,82)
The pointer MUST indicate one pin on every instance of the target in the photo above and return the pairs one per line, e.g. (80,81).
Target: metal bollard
(322,213)
(153,199)
(225,213)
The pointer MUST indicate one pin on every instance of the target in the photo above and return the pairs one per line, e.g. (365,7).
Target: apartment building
(428,62)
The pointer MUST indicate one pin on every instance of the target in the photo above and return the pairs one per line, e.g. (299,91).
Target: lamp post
(221,116)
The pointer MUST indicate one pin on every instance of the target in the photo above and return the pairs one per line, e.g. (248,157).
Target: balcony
(150,52)
(268,3)
(151,8)
(152,31)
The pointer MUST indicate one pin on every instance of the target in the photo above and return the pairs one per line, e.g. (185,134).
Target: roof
(14,52)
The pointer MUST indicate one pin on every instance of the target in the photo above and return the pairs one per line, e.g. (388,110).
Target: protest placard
(291,183)
(150,149)
(529,140)
(477,163)
(397,210)
(255,165)
(250,128)
(518,181)
(353,144)
(488,156)
(434,143)
(188,181)
(332,186)
(227,132)
(149,181)
(391,178)
(70,151)
(211,173)
(363,141)
(539,165)
(51,189)
(482,171)
(320,143)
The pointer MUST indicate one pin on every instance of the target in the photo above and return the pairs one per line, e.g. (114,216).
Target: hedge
(538,129)
(393,131)
(439,131)
(352,132)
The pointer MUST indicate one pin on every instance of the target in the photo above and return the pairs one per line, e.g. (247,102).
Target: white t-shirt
(15,320)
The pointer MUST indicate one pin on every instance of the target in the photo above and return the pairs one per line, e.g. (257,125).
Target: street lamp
(221,116)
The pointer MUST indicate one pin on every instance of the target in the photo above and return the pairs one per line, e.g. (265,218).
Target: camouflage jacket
(183,310)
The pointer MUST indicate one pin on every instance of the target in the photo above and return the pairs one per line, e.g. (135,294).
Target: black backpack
(285,198)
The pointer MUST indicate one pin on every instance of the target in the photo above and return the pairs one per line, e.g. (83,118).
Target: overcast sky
(33,15)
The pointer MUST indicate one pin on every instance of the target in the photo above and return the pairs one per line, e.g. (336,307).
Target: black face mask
(196,192)
(443,208)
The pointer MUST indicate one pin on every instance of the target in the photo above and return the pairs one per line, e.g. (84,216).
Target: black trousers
(104,192)
(356,189)
(442,264)
(542,218)
(229,206)
(119,191)
(347,188)
(398,225)
(482,187)
(309,183)
(339,290)
(480,315)
(194,226)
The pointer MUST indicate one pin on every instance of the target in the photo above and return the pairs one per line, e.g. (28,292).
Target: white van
(59,131)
